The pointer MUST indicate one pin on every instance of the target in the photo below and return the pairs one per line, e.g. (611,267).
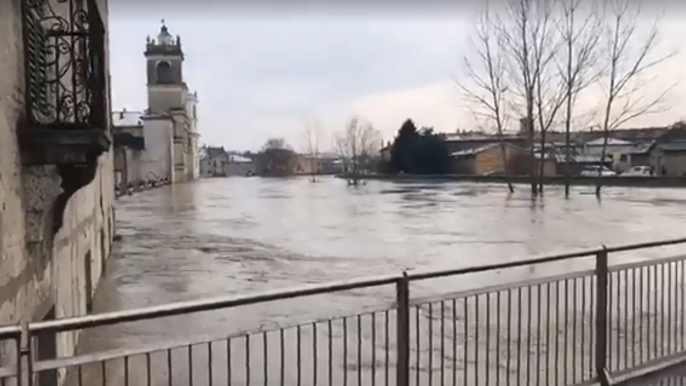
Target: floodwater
(233,236)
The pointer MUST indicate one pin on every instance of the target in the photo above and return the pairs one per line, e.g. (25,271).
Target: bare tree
(276,158)
(275,143)
(520,32)
(532,44)
(550,93)
(628,57)
(356,144)
(341,148)
(487,75)
(577,69)
(313,134)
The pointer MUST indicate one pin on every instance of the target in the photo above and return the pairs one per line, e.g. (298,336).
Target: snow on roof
(479,149)
(321,156)
(610,142)
(239,159)
(675,146)
(479,136)
(580,158)
(127,118)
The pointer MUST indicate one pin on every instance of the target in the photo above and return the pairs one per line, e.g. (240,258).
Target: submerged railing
(610,324)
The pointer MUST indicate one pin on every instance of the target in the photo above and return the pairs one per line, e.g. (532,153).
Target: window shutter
(37,61)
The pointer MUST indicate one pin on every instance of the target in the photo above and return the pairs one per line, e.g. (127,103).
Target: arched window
(164,74)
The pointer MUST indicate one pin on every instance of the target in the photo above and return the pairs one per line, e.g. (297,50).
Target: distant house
(238,165)
(640,153)
(619,151)
(548,168)
(213,161)
(385,152)
(488,159)
(320,163)
(131,161)
(578,162)
(669,159)
(668,155)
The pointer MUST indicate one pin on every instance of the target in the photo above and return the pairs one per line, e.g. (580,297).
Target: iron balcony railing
(608,324)
(64,53)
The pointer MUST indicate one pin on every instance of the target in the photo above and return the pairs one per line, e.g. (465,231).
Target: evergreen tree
(432,154)
(419,151)
(404,147)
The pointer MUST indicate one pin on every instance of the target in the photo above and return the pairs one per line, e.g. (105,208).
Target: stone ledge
(73,151)
(62,146)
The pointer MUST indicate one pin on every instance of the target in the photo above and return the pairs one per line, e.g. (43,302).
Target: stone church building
(160,143)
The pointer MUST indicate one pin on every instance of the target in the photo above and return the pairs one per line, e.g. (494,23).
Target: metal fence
(621,321)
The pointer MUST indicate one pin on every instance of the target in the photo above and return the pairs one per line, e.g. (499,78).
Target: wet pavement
(239,235)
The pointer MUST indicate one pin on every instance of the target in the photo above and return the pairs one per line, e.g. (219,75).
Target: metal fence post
(25,352)
(403,330)
(601,273)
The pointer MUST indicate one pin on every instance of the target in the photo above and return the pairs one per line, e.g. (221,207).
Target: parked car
(592,171)
(638,171)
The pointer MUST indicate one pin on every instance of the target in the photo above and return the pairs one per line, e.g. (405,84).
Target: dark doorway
(89,282)
(103,251)
(47,349)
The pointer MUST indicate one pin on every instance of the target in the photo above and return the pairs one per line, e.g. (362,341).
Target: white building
(618,150)
(160,143)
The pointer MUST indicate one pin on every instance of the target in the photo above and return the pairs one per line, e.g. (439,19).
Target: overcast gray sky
(262,74)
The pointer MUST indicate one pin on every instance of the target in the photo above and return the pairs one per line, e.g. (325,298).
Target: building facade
(318,164)
(489,159)
(239,165)
(56,161)
(168,128)
(668,153)
(213,161)
(218,162)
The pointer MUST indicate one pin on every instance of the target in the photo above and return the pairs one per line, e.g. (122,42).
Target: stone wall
(17,298)
(87,234)
(42,272)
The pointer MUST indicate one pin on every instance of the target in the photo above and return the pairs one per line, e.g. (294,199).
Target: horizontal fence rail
(613,324)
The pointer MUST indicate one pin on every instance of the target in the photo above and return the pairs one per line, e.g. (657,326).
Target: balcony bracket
(73,152)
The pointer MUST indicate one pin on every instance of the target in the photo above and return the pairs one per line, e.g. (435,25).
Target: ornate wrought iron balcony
(66,119)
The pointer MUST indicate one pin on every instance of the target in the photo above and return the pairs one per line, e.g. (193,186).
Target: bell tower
(166,88)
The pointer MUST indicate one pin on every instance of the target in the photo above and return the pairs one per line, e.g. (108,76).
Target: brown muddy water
(228,236)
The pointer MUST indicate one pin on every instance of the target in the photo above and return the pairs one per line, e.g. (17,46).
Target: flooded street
(240,235)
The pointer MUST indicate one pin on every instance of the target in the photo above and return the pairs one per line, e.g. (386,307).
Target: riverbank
(646,182)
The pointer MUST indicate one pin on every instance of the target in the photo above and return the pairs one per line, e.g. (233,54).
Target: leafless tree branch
(357,144)
(628,58)
(489,89)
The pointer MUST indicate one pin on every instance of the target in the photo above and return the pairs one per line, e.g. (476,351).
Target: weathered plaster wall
(156,160)
(39,271)
(15,296)
(86,234)
(129,163)
(162,98)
